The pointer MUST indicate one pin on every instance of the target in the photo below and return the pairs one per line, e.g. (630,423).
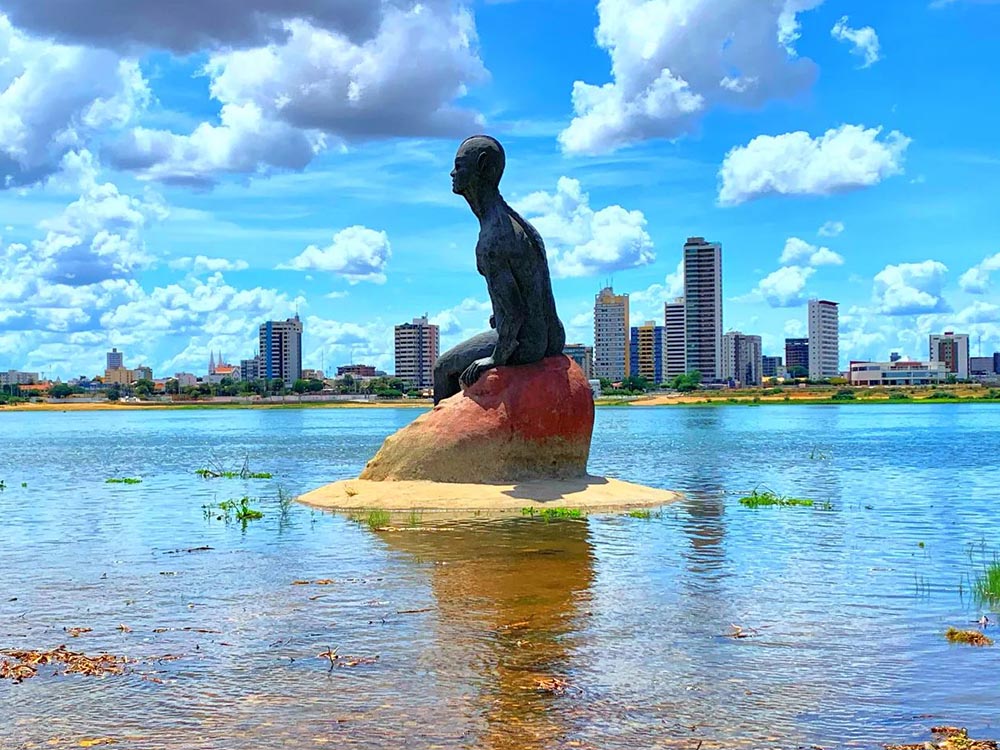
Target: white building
(899,372)
(611,335)
(673,321)
(281,350)
(185,379)
(418,346)
(703,307)
(16,377)
(742,359)
(953,350)
(824,339)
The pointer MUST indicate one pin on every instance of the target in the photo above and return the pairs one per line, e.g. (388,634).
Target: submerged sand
(589,494)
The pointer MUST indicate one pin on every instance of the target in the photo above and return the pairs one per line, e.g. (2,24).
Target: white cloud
(203,264)
(800,252)
(794,328)
(582,241)
(356,253)
(844,158)
(831,229)
(785,287)
(647,304)
(284,102)
(673,60)
(977,279)
(53,97)
(910,288)
(864,41)
(467,318)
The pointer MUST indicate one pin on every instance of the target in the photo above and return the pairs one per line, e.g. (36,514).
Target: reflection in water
(509,597)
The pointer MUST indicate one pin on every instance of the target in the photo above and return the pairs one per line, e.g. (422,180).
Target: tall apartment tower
(583,356)
(796,355)
(115,360)
(953,350)
(611,335)
(673,321)
(418,345)
(648,352)
(824,339)
(742,359)
(703,307)
(280,355)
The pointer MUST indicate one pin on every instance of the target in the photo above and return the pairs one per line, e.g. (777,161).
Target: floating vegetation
(239,510)
(123,480)
(550,513)
(948,738)
(21,664)
(220,472)
(968,637)
(987,586)
(767,498)
(336,660)
(2,486)
(640,513)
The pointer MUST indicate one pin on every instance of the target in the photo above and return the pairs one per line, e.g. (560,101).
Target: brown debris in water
(336,660)
(25,663)
(970,637)
(948,738)
(77,632)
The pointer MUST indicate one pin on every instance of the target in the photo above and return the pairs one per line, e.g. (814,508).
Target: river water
(611,632)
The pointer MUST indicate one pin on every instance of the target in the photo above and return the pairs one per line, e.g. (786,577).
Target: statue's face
(466,172)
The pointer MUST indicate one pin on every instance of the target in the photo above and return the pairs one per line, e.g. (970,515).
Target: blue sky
(171,179)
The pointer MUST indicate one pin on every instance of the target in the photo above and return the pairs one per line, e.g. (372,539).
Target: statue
(510,255)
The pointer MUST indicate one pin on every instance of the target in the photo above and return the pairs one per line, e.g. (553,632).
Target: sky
(172,175)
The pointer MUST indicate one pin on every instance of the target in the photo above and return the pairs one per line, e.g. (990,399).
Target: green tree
(114,392)
(687,382)
(636,383)
(172,387)
(798,372)
(300,386)
(61,390)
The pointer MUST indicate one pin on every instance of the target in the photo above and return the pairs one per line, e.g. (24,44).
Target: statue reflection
(510,596)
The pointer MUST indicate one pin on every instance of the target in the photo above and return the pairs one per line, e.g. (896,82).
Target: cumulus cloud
(356,253)
(673,60)
(831,229)
(469,317)
(647,304)
(844,158)
(910,288)
(785,287)
(202,264)
(54,97)
(864,41)
(582,241)
(977,279)
(800,252)
(282,103)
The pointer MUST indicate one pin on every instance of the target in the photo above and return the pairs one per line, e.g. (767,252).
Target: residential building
(900,372)
(114,359)
(796,355)
(952,349)
(824,339)
(611,335)
(673,321)
(418,346)
(703,307)
(582,355)
(313,375)
(648,352)
(142,372)
(772,367)
(356,371)
(281,350)
(185,379)
(742,361)
(250,369)
(16,377)
(118,376)
(981,366)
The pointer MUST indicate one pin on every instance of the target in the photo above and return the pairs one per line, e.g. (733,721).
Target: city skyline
(162,203)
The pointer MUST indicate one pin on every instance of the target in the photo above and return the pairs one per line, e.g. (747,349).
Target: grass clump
(987,586)
(239,510)
(968,637)
(900,396)
(640,513)
(377,519)
(123,480)
(552,513)
(767,498)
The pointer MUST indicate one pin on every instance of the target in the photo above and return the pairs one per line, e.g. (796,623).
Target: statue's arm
(508,298)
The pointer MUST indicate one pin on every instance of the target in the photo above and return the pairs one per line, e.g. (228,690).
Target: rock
(516,423)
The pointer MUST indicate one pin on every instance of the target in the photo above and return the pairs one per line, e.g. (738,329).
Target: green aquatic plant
(550,513)
(987,586)
(640,513)
(228,510)
(2,486)
(24,485)
(377,519)
(123,480)
(767,498)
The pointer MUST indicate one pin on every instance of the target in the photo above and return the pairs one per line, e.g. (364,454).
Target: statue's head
(479,165)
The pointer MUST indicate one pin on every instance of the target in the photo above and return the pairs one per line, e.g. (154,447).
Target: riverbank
(161,406)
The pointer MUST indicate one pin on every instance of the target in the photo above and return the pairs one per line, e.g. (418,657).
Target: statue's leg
(453,362)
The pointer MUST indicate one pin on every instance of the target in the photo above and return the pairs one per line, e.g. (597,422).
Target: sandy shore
(589,494)
(110,406)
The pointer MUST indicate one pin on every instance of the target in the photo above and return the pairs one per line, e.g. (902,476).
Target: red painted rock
(516,423)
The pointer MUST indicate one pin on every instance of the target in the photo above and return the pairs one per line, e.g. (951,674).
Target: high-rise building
(114,360)
(417,348)
(796,355)
(648,352)
(953,350)
(824,339)
(771,367)
(703,307)
(281,350)
(611,333)
(673,321)
(583,356)
(250,369)
(742,361)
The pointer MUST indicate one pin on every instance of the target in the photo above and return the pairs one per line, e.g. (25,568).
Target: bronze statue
(510,255)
